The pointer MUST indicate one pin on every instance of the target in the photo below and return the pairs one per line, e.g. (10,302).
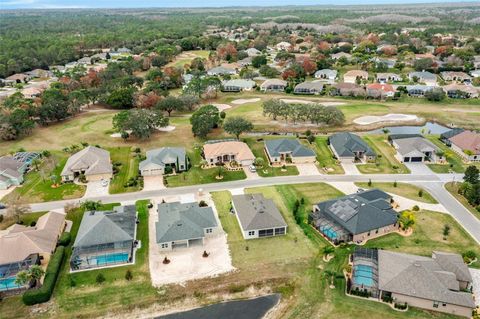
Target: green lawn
(453,189)
(406,190)
(325,158)
(257,148)
(37,189)
(455,162)
(386,163)
(128,169)
(196,175)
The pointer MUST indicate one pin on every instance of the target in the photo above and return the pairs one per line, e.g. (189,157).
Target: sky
(55,4)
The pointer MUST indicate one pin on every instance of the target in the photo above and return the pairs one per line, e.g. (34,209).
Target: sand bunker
(119,134)
(168,128)
(312,101)
(372,119)
(221,107)
(296,101)
(245,101)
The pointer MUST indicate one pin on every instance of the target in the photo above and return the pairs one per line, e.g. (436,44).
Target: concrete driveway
(5,192)
(151,183)
(96,189)
(307,169)
(476,284)
(418,168)
(250,174)
(350,168)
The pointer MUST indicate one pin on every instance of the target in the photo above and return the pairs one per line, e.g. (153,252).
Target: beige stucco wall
(303,160)
(373,234)
(98,177)
(428,304)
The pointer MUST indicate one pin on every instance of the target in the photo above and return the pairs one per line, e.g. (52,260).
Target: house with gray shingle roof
(221,70)
(11,172)
(426,77)
(238,85)
(170,158)
(326,74)
(258,216)
(105,238)
(183,225)
(308,88)
(93,162)
(356,217)
(350,147)
(288,150)
(414,149)
(440,283)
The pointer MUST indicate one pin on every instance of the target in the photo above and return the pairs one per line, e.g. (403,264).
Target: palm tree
(34,274)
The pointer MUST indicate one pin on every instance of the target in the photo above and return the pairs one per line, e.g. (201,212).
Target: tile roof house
(426,77)
(22,246)
(93,162)
(456,76)
(18,78)
(221,70)
(219,152)
(288,150)
(414,149)
(11,172)
(283,46)
(388,77)
(356,217)
(445,137)
(161,158)
(467,145)
(439,283)
(347,89)
(273,85)
(105,238)
(258,216)
(253,52)
(326,74)
(350,147)
(379,90)
(308,88)
(183,225)
(460,91)
(353,75)
(238,85)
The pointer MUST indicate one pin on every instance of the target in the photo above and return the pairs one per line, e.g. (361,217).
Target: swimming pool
(115,258)
(363,275)
(8,284)
(329,232)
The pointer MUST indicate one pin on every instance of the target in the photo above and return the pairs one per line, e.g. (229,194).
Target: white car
(252,168)
(104,183)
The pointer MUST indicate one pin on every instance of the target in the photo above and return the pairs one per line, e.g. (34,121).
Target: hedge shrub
(65,239)
(43,294)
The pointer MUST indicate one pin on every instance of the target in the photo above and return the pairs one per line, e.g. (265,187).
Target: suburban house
(221,70)
(11,172)
(105,238)
(273,85)
(353,75)
(32,92)
(283,46)
(326,74)
(308,88)
(252,52)
(390,63)
(445,137)
(418,90)
(238,85)
(288,150)
(460,91)
(347,89)
(18,78)
(245,62)
(38,73)
(340,55)
(413,148)
(164,159)
(379,90)
(438,283)
(475,73)
(22,246)
(92,162)
(456,76)
(349,147)
(467,145)
(184,225)
(388,77)
(356,217)
(258,216)
(222,152)
(426,77)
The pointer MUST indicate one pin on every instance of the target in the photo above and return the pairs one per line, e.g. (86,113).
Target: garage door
(406,159)
(417,159)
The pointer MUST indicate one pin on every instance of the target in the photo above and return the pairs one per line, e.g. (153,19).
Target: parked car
(252,168)
(104,183)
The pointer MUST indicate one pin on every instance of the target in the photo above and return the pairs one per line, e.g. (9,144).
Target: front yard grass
(257,147)
(326,161)
(386,163)
(25,219)
(452,187)
(128,169)
(39,189)
(403,189)
(197,175)
(455,162)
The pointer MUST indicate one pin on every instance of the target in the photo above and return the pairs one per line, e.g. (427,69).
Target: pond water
(239,309)
(428,128)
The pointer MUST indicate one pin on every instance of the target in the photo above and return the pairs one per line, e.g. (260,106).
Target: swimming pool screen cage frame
(320,222)
(366,257)
(84,257)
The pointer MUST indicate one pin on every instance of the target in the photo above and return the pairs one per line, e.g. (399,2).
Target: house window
(280,231)
(251,233)
(435,304)
(208,230)
(376,232)
(444,304)
(164,245)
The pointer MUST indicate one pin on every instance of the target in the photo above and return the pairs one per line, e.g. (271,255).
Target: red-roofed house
(467,145)
(379,90)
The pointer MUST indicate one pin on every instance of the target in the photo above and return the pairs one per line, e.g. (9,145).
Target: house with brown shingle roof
(220,152)
(467,145)
(92,162)
(352,76)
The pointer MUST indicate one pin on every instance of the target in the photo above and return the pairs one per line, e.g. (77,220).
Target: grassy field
(326,161)
(405,190)
(386,163)
(128,169)
(186,58)
(196,175)
(257,147)
(39,189)
(453,189)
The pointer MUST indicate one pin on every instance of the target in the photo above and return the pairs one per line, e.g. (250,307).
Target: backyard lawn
(197,175)
(128,170)
(39,189)
(257,147)
(326,161)
(403,189)
(386,163)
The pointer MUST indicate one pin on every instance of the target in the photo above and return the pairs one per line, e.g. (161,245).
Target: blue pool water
(8,284)
(112,259)
(363,275)
(330,233)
